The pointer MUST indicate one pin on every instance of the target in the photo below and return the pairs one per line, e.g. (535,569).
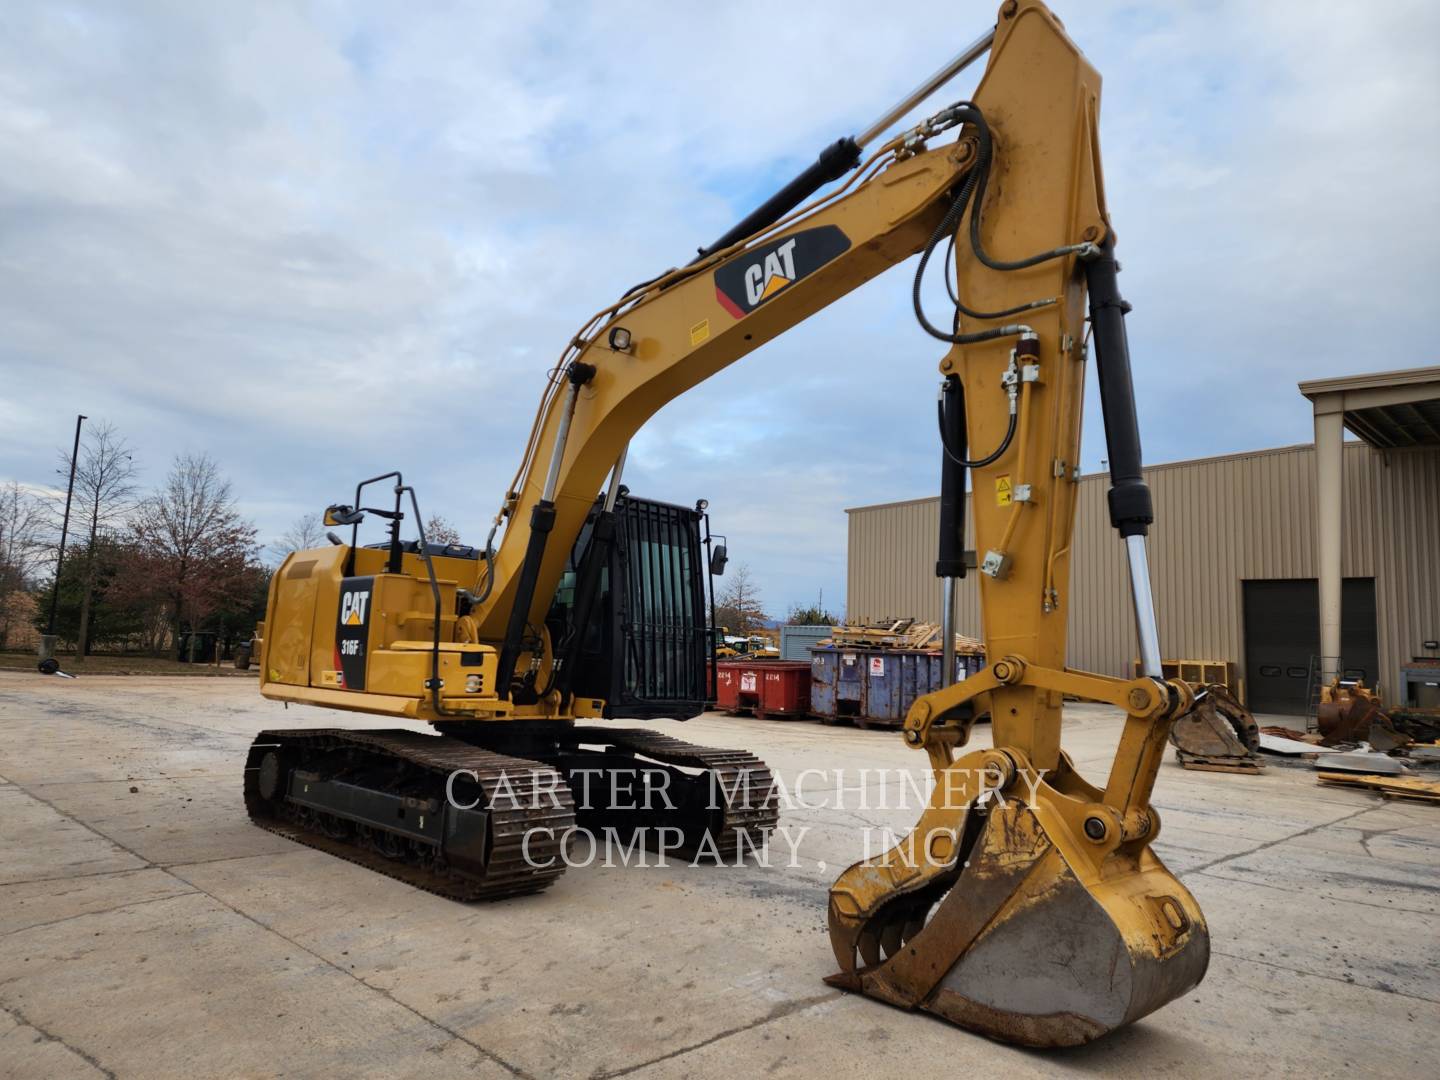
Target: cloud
(321,241)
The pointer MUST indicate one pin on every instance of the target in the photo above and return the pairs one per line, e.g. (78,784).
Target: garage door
(1282,633)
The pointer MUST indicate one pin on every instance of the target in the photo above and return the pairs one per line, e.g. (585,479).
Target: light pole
(47,640)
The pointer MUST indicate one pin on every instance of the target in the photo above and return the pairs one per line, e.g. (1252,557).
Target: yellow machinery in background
(1027,904)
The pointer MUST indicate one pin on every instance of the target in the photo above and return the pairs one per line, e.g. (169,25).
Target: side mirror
(341,514)
(718,559)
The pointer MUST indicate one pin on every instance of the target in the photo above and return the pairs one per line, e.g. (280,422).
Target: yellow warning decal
(699,332)
(1002,490)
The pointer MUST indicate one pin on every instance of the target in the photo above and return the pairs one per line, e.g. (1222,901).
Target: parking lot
(150,930)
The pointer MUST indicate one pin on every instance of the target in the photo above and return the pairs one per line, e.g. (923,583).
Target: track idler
(1027,912)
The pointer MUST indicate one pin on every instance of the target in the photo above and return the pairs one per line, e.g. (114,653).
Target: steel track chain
(523,795)
(750,799)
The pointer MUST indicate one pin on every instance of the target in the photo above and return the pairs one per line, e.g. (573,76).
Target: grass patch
(122,665)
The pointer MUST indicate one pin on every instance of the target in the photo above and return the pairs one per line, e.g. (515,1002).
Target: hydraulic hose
(974,187)
(489,564)
(982,173)
(978,463)
(947,226)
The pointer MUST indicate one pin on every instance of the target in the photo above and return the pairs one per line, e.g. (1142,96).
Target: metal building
(1236,553)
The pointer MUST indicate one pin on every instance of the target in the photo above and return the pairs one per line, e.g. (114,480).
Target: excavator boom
(1018,866)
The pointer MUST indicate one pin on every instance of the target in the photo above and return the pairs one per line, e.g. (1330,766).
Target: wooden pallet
(899,634)
(1203,673)
(1398,787)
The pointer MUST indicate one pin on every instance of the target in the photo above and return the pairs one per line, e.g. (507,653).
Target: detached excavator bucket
(1217,735)
(1354,714)
(1019,925)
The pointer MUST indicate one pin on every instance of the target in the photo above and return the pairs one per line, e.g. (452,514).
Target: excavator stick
(1027,904)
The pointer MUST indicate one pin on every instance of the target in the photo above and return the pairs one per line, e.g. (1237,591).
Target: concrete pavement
(156,932)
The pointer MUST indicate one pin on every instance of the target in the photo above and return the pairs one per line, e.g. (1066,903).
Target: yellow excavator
(1027,904)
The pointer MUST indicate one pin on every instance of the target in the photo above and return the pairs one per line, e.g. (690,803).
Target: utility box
(876,687)
(796,640)
(768,688)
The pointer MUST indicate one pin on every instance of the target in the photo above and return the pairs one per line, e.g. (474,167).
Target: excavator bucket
(1351,713)
(1383,737)
(1005,916)
(1344,720)
(1217,735)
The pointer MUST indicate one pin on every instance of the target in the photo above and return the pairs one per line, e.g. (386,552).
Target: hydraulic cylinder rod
(1147,632)
(843,155)
(967,56)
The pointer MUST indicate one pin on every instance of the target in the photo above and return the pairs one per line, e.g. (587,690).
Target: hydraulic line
(489,563)
(1018,505)
(978,463)
(982,171)
(974,186)
(960,305)
(947,226)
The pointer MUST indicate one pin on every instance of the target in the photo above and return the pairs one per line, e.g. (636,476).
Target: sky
(319,241)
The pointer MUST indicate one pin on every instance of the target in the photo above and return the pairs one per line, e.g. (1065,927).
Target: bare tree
(104,495)
(307,531)
(440,531)
(23,529)
(738,607)
(196,545)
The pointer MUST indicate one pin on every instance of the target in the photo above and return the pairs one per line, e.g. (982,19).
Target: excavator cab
(645,649)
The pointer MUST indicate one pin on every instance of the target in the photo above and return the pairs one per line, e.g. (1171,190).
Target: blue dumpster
(875,687)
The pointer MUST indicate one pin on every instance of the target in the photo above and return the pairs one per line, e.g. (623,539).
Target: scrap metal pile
(1357,744)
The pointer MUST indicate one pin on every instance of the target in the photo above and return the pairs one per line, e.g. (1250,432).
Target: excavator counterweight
(1027,904)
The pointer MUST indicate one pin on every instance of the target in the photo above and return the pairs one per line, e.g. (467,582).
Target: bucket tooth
(878,903)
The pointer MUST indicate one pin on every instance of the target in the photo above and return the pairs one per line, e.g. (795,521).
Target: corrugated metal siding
(1218,522)
(796,639)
